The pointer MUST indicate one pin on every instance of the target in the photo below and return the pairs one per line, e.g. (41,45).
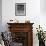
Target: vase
(41,43)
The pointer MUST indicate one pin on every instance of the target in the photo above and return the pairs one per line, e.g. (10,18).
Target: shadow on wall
(0,15)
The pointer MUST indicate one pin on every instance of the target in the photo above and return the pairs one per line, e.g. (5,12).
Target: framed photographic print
(20,9)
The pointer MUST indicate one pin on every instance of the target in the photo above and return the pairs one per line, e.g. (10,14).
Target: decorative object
(41,36)
(27,21)
(13,21)
(20,9)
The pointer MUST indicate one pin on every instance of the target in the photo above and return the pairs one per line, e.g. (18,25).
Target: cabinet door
(20,37)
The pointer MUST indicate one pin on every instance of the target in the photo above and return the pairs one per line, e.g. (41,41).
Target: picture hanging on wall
(20,9)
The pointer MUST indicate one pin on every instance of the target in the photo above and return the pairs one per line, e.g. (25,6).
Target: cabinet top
(19,23)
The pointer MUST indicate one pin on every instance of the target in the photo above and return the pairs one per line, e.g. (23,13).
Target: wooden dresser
(22,33)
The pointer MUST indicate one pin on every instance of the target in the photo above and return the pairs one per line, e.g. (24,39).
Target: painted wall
(43,14)
(43,6)
(32,11)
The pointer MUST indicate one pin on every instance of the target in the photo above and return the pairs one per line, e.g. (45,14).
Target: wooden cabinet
(22,33)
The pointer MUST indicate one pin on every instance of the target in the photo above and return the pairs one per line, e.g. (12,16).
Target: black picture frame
(20,9)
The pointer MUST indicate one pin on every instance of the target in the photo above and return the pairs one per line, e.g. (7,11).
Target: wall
(43,6)
(43,14)
(0,15)
(32,11)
